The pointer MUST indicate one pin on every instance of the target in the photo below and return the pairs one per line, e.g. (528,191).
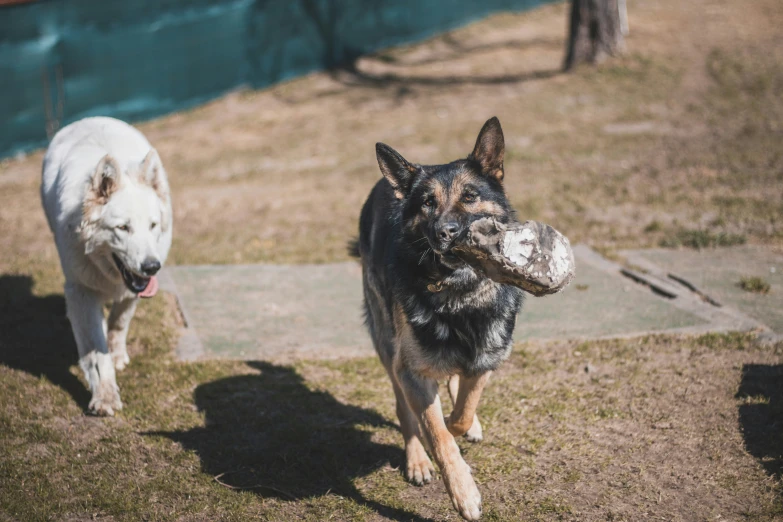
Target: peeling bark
(596,31)
(532,256)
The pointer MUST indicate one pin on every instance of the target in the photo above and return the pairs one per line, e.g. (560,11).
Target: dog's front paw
(120,360)
(105,401)
(470,506)
(419,470)
(475,433)
(464,494)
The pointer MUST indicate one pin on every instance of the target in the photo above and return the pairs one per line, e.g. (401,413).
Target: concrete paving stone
(279,312)
(717,273)
(599,304)
(270,311)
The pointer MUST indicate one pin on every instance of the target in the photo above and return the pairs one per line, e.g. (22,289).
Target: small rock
(589,368)
(662,426)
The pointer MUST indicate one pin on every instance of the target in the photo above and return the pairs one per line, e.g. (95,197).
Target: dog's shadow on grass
(36,337)
(761,414)
(271,434)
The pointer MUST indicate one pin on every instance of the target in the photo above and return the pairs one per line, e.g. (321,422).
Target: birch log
(532,256)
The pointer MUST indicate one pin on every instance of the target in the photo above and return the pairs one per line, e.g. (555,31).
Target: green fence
(61,60)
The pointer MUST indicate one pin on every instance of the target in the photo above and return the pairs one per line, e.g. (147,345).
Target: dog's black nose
(150,267)
(448,231)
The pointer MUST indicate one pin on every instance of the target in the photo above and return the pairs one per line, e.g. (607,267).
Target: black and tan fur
(430,315)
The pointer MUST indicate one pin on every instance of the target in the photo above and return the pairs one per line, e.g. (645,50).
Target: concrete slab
(717,273)
(314,311)
(600,303)
(270,311)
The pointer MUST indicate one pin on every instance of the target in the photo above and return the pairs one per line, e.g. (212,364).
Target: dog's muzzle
(135,283)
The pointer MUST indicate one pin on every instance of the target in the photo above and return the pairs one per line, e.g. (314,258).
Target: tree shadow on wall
(269,433)
(327,30)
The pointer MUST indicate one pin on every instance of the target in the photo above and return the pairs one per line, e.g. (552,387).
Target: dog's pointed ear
(490,149)
(396,169)
(104,182)
(151,173)
(106,178)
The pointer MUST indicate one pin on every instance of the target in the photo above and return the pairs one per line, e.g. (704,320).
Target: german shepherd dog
(430,315)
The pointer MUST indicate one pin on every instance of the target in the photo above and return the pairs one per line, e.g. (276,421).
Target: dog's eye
(469,197)
(429,202)
(153,225)
(124,228)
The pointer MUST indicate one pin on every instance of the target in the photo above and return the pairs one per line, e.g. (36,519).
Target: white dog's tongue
(152,288)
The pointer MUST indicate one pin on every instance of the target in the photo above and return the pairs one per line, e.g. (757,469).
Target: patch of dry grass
(754,284)
(631,435)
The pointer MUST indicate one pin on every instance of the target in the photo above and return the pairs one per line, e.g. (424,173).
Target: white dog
(106,198)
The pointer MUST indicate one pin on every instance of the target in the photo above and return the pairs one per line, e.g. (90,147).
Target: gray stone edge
(189,347)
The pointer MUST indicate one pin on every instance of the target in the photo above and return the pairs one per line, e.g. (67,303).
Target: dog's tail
(353,248)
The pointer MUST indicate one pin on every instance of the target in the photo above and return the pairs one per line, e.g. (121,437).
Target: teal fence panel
(61,60)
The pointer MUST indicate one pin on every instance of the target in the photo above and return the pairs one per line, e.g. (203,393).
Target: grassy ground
(677,143)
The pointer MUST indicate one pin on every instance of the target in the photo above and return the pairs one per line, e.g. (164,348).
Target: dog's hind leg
(418,466)
(85,313)
(119,321)
(456,421)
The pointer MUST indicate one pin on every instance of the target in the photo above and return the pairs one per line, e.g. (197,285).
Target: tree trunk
(595,31)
